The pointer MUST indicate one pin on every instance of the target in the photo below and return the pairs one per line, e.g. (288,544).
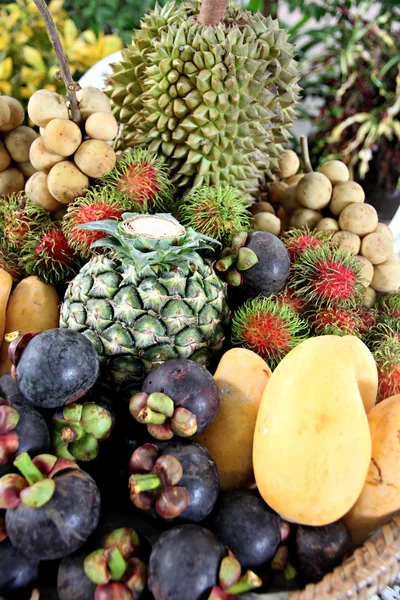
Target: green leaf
(33,57)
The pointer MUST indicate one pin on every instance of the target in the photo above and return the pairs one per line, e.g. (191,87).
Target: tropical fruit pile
(198,397)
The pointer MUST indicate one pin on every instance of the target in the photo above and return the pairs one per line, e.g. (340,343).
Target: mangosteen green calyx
(231,582)
(115,568)
(78,428)
(258,262)
(22,429)
(53,367)
(179,478)
(178,397)
(52,507)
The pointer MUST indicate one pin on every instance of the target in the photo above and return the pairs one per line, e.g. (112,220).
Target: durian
(214,101)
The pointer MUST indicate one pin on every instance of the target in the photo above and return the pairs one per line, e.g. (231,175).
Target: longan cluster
(15,143)
(327,200)
(67,156)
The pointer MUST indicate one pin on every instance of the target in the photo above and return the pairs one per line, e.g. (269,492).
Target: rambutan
(48,255)
(142,179)
(97,205)
(389,306)
(9,261)
(218,212)
(388,382)
(269,328)
(299,240)
(368,319)
(289,297)
(327,276)
(335,320)
(18,217)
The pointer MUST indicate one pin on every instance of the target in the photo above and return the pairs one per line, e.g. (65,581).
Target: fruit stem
(248,582)
(28,469)
(212,12)
(116,564)
(306,155)
(144,482)
(70,86)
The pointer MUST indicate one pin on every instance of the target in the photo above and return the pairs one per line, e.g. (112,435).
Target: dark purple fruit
(9,389)
(189,385)
(57,366)
(242,521)
(18,573)
(184,563)
(32,432)
(321,549)
(269,275)
(200,477)
(72,581)
(60,526)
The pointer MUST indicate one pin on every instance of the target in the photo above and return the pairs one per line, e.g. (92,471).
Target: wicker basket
(368,571)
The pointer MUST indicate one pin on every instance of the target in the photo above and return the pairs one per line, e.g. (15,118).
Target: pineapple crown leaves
(178,248)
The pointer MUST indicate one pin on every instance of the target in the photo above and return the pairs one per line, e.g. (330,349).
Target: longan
(385,229)
(288,164)
(92,100)
(27,169)
(265,221)
(101,126)
(386,278)
(62,137)
(39,194)
(18,142)
(345,193)
(11,180)
(95,158)
(41,158)
(45,105)
(5,158)
(336,171)
(4,112)
(327,224)
(369,297)
(314,191)
(17,113)
(303,217)
(348,241)
(358,218)
(377,247)
(288,199)
(366,270)
(259,207)
(66,182)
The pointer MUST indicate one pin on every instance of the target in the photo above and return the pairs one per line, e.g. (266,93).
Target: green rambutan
(9,261)
(335,320)
(48,255)
(96,205)
(389,306)
(269,328)
(18,217)
(217,211)
(327,276)
(299,240)
(142,179)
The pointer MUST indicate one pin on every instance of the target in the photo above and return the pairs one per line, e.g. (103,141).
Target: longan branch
(54,36)
(306,155)
(212,12)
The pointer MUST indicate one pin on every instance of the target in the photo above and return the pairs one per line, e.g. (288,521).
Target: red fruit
(335,321)
(299,240)
(388,382)
(289,297)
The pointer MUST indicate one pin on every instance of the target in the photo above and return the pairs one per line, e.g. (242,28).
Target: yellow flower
(5,88)
(5,39)
(6,67)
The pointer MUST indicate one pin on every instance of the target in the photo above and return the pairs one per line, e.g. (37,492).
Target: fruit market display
(198,397)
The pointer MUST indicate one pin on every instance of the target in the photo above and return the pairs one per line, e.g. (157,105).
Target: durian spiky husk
(215,102)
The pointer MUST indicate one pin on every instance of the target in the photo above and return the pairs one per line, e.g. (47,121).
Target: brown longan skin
(369,297)
(66,182)
(366,270)
(288,199)
(348,241)
(314,191)
(41,158)
(17,113)
(266,221)
(27,169)
(303,217)
(335,170)
(259,207)
(377,247)
(11,181)
(92,100)
(18,142)
(101,126)
(358,218)
(62,137)
(327,224)
(386,279)
(39,194)
(95,158)
(45,105)
(4,113)
(295,178)
(345,193)
(288,164)
(384,229)
(5,158)
(275,191)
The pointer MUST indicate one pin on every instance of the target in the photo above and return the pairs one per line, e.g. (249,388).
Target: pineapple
(150,299)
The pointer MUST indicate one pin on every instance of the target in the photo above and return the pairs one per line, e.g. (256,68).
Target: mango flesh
(380,496)
(241,378)
(312,445)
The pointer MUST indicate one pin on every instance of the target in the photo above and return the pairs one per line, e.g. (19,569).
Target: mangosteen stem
(28,469)
(161,403)
(306,155)
(144,482)
(116,564)
(248,582)
(69,434)
(152,417)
